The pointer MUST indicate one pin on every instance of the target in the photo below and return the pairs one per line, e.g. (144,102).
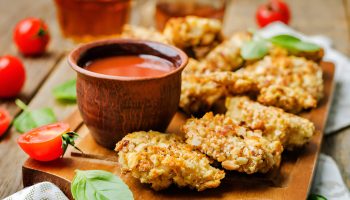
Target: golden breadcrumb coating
(137,32)
(291,130)
(195,67)
(291,83)
(290,99)
(162,159)
(227,55)
(193,34)
(234,146)
(200,92)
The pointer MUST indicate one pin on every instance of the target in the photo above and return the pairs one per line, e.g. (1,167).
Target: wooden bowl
(113,106)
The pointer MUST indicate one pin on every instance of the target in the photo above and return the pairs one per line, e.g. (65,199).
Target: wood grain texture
(291,181)
(326,17)
(312,17)
(37,70)
(12,155)
(347,13)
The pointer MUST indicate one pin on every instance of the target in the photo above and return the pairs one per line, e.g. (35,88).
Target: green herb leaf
(307,46)
(316,197)
(69,139)
(66,91)
(98,184)
(28,119)
(294,44)
(254,50)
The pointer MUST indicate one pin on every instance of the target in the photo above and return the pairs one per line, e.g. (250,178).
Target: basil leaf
(307,46)
(284,38)
(28,120)
(316,197)
(66,91)
(98,184)
(293,44)
(254,50)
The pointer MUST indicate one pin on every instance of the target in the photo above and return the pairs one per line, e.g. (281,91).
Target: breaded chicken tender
(291,83)
(194,35)
(234,146)
(227,55)
(200,92)
(292,130)
(137,32)
(290,99)
(162,159)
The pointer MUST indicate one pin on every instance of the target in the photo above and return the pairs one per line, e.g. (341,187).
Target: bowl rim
(76,53)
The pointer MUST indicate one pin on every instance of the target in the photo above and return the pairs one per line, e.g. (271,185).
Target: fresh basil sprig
(316,197)
(99,185)
(66,91)
(30,119)
(259,48)
(253,50)
(293,44)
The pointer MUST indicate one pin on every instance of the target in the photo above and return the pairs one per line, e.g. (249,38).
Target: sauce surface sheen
(137,66)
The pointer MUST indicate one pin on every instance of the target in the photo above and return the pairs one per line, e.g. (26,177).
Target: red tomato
(12,76)
(44,143)
(5,121)
(274,10)
(31,36)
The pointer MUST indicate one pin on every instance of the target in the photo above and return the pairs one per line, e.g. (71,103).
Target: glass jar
(165,9)
(85,20)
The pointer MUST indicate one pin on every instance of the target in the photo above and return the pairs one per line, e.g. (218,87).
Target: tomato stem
(21,104)
(41,32)
(68,139)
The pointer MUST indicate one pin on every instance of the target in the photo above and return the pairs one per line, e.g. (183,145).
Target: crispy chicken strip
(291,83)
(227,55)
(194,35)
(291,130)
(137,32)
(235,147)
(290,99)
(162,159)
(200,92)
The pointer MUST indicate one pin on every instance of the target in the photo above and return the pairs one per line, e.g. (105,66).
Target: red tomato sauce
(131,66)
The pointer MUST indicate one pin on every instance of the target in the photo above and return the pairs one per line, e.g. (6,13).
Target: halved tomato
(48,142)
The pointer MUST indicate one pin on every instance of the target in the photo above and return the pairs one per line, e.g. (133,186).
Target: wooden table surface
(327,17)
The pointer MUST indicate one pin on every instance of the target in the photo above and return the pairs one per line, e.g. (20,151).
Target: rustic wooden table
(327,17)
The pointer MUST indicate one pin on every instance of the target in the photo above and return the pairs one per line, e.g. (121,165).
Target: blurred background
(68,20)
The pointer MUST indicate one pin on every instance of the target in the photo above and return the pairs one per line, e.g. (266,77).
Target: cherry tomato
(31,36)
(12,76)
(5,120)
(45,143)
(274,10)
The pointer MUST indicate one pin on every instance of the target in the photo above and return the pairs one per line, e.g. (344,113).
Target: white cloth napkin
(40,191)
(328,181)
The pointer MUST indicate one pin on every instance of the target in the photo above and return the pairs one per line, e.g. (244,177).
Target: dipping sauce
(131,66)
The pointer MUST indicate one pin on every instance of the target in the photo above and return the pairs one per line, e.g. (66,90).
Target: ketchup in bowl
(137,66)
(126,85)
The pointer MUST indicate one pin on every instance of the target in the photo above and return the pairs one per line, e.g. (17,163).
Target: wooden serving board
(291,181)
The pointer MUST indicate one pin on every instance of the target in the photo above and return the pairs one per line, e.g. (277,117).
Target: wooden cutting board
(291,181)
